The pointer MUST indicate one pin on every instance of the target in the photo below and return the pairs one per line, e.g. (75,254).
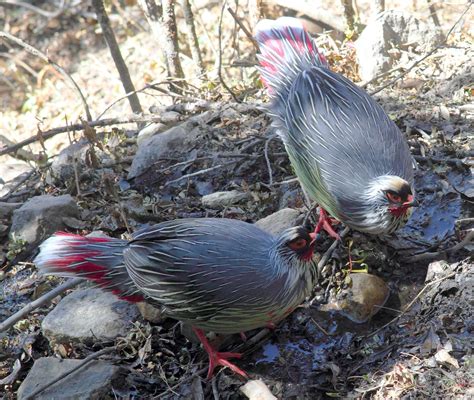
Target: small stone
(277,222)
(150,131)
(223,199)
(436,269)
(95,381)
(150,312)
(89,316)
(41,216)
(362,299)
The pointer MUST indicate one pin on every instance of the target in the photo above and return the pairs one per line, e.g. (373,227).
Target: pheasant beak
(312,235)
(412,202)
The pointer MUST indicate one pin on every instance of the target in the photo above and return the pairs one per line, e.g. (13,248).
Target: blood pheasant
(347,153)
(219,275)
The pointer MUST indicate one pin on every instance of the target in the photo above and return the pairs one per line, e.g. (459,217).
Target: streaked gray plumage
(221,275)
(346,151)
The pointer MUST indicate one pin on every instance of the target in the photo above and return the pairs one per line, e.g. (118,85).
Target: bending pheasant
(219,275)
(347,153)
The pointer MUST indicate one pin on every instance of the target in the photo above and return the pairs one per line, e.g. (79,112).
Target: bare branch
(117,56)
(16,3)
(192,36)
(104,122)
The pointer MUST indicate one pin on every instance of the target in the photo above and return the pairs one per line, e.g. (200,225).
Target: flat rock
(89,316)
(95,381)
(223,199)
(41,216)
(179,139)
(277,222)
(388,30)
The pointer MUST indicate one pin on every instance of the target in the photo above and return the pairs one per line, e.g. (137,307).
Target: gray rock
(179,139)
(223,199)
(62,168)
(89,316)
(391,29)
(277,222)
(41,216)
(95,381)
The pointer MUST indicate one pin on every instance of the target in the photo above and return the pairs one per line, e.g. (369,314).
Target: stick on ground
(86,360)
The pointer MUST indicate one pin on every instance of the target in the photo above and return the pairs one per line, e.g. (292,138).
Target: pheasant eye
(298,244)
(394,198)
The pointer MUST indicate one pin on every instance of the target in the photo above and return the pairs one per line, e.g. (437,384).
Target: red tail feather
(97,259)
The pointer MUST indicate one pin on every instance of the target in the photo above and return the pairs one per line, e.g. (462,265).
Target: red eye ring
(394,198)
(298,244)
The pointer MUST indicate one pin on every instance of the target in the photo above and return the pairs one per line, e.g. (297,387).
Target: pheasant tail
(286,49)
(97,259)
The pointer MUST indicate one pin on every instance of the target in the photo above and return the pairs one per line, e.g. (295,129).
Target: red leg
(325,223)
(216,358)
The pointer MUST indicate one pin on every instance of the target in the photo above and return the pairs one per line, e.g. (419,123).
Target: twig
(203,171)
(15,187)
(84,362)
(443,253)
(219,67)
(32,50)
(329,251)
(320,327)
(38,302)
(426,55)
(192,37)
(182,381)
(35,9)
(62,129)
(215,392)
(269,165)
(114,48)
(407,308)
(170,43)
(243,27)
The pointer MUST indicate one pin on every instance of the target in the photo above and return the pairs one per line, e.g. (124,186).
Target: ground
(418,346)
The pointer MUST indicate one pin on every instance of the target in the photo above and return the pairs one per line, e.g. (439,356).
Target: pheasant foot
(325,223)
(217,358)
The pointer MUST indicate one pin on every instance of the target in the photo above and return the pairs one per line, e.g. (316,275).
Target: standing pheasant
(219,275)
(347,153)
